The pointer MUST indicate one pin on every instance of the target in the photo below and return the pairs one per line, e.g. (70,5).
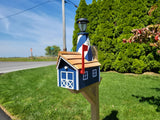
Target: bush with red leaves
(150,34)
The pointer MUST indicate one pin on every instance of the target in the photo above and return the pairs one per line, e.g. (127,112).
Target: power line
(17,13)
(68,1)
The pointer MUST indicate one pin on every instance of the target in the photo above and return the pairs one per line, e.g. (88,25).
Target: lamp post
(64,26)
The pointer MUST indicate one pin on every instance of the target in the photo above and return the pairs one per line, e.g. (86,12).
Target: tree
(112,20)
(93,12)
(156,13)
(52,50)
(80,13)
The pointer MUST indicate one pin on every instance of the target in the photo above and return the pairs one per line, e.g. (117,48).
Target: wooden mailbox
(79,72)
(69,65)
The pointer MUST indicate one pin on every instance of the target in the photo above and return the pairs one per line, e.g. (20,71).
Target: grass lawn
(33,95)
(18,59)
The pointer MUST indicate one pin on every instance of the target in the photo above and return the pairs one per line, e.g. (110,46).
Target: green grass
(33,95)
(18,59)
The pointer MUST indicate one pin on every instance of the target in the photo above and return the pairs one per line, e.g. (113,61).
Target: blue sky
(36,28)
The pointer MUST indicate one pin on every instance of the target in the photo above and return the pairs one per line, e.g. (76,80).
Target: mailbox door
(67,79)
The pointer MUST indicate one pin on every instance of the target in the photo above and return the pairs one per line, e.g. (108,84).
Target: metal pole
(64,26)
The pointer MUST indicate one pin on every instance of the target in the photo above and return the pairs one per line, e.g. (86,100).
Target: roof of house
(75,59)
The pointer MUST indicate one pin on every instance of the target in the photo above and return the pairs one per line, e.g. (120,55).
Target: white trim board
(66,62)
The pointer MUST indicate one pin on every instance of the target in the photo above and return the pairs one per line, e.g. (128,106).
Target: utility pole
(64,26)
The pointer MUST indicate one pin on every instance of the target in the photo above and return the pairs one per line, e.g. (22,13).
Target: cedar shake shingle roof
(75,59)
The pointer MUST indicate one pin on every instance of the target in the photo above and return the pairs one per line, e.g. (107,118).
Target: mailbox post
(79,74)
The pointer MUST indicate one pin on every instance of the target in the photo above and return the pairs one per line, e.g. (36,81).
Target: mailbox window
(94,73)
(70,76)
(63,75)
(67,79)
(85,76)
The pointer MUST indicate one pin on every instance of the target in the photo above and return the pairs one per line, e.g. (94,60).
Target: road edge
(7,114)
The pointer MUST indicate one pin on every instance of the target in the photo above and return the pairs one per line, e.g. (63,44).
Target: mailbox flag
(84,39)
(85,48)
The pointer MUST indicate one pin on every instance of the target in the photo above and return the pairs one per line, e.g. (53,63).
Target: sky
(36,28)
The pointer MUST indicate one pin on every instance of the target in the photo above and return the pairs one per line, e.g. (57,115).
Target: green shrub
(121,66)
(106,60)
(122,63)
(138,66)
(154,66)
(110,22)
(134,50)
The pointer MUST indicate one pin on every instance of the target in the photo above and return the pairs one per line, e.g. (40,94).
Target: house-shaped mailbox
(69,65)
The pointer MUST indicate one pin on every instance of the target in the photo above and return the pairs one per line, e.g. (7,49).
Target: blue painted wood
(91,79)
(69,74)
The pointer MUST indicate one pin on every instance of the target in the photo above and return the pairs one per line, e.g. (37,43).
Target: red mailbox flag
(84,48)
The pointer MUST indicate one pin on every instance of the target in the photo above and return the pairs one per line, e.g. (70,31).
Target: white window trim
(67,79)
(94,73)
(85,74)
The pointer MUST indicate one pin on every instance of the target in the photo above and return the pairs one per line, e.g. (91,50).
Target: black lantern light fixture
(82,24)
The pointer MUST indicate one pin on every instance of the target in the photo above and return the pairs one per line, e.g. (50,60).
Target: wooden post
(91,93)
(95,107)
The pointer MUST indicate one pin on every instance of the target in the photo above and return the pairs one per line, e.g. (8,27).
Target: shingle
(75,59)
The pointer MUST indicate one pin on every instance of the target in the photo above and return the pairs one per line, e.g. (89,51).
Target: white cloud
(5,23)
(34,30)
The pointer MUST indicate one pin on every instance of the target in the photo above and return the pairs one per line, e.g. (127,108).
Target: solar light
(82,24)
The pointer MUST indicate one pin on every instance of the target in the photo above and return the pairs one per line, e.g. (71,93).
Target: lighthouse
(83,39)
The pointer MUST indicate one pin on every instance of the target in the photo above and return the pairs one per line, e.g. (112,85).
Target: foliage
(156,14)
(93,19)
(80,13)
(110,21)
(150,34)
(52,50)
(33,95)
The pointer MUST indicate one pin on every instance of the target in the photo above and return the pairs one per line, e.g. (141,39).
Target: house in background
(69,65)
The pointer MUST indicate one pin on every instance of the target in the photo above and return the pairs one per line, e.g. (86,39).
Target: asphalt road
(3,115)
(6,67)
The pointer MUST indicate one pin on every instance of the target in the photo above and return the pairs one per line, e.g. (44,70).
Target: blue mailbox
(69,66)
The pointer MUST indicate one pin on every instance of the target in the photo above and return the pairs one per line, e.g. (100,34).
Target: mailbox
(69,67)
(80,71)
